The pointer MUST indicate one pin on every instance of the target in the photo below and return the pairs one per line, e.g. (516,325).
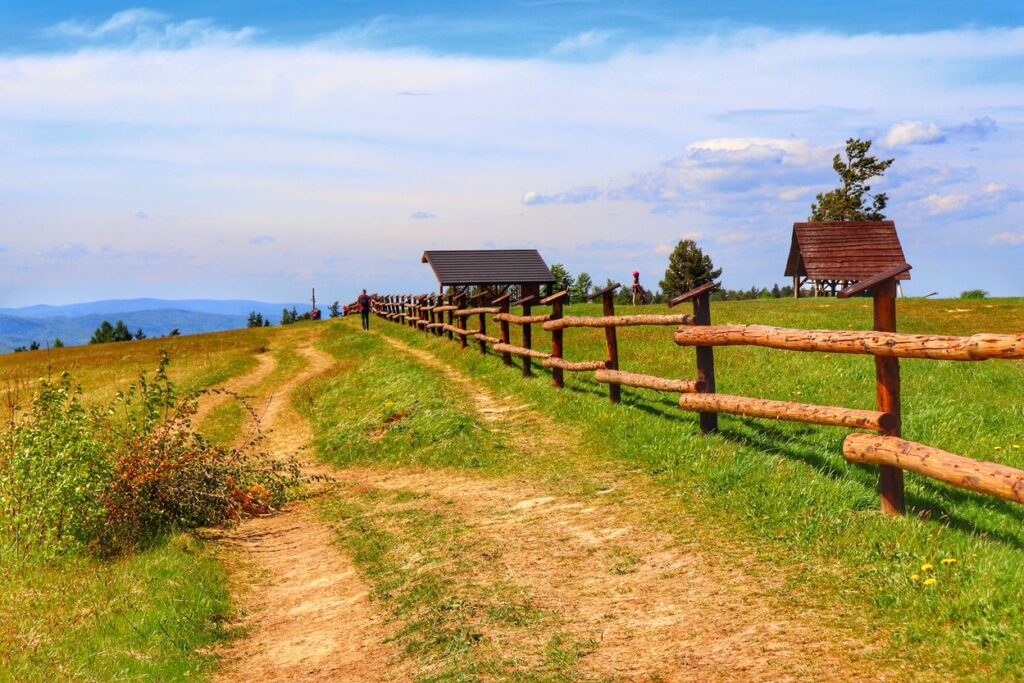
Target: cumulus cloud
(906,133)
(992,198)
(576,196)
(581,42)
(422,215)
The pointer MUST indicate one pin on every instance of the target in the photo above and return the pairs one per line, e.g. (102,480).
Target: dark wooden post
(610,337)
(527,334)
(557,376)
(887,377)
(506,338)
(480,299)
(451,315)
(701,298)
(462,321)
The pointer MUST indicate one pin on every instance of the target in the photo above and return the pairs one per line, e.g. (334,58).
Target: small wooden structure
(836,254)
(494,269)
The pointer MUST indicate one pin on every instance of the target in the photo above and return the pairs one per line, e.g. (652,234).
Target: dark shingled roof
(489,267)
(844,250)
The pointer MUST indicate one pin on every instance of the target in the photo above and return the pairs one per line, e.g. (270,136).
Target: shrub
(974,294)
(117,477)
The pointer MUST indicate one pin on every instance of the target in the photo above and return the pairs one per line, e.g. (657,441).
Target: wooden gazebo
(836,254)
(494,269)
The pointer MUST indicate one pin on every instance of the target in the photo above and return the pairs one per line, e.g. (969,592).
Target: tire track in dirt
(265,364)
(307,614)
(659,608)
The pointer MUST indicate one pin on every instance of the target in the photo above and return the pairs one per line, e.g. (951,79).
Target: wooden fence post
(503,301)
(887,377)
(527,303)
(610,337)
(480,299)
(461,304)
(557,376)
(701,298)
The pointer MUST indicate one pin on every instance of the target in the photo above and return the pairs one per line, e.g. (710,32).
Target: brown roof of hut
(844,250)
(489,267)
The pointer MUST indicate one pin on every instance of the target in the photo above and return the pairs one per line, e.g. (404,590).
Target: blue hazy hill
(75,323)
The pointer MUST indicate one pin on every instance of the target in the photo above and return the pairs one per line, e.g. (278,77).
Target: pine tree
(121,332)
(103,334)
(582,287)
(688,267)
(139,334)
(562,278)
(847,203)
(58,344)
(335,309)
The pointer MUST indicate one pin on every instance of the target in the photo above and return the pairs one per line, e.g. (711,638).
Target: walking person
(638,291)
(364,309)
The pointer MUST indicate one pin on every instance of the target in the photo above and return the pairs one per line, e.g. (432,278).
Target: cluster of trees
(118,332)
(257,320)
(293,316)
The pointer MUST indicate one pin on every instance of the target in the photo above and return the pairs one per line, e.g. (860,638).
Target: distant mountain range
(75,323)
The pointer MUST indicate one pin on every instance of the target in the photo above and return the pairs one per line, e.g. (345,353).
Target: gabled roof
(844,250)
(488,267)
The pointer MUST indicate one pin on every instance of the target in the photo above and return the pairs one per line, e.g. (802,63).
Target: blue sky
(249,150)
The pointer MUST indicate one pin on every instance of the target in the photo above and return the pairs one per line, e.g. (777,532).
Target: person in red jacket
(364,309)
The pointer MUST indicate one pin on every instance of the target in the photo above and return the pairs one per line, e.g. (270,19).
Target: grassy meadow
(775,497)
(147,615)
(778,492)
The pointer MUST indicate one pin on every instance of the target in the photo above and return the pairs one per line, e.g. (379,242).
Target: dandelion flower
(1016,445)
(999,448)
(931,581)
(915,577)
(927,567)
(948,561)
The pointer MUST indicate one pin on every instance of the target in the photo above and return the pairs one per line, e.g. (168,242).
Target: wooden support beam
(619,321)
(574,366)
(556,300)
(520,351)
(705,356)
(976,475)
(482,336)
(631,379)
(887,393)
(557,296)
(787,410)
(506,358)
(611,341)
(876,343)
(527,303)
(602,292)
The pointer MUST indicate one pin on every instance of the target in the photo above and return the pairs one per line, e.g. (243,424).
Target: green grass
(147,616)
(780,490)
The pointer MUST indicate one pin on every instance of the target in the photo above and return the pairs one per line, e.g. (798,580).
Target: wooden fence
(454,316)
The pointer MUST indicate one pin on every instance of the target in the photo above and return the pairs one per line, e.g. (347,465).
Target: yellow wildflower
(1016,445)
(948,561)
(927,567)
(999,448)
(915,577)
(931,581)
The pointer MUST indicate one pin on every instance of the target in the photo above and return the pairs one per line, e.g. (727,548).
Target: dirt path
(659,608)
(241,384)
(307,618)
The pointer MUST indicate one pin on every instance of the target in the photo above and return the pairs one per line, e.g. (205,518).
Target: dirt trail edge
(659,608)
(307,618)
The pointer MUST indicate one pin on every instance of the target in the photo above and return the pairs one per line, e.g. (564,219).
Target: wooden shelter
(833,255)
(493,269)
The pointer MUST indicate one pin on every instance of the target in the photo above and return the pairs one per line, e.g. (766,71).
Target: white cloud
(938,204)
(913,133)
(150,28)
(124,20)
(576,196)
(581,42)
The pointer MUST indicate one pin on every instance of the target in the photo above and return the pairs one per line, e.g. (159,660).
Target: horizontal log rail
(632,379)
(522,319)
(618,321)
(788,410)
(459,330)
(476,311)
(434,326)
(442,309)
(574,366)
(889,344)
(992,478)
(480,336)
(520,351)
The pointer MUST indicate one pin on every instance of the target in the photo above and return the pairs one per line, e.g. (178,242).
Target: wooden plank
(874,280)
(632,379)
(978,347)
(529,298)
(786,410)
(557,296)
(618,321)
(695,292)
(990,478)
(602,292)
